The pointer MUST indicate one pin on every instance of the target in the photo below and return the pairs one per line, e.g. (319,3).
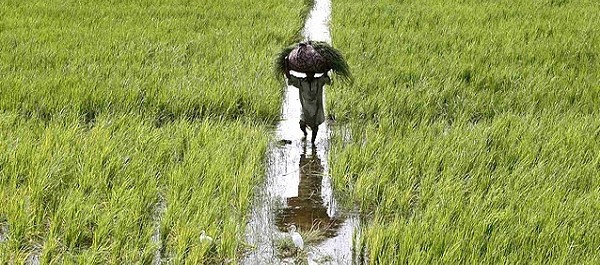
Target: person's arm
(287,68)
(293,81)
(325,79)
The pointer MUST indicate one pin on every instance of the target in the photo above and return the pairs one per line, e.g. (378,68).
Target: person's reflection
(307,211)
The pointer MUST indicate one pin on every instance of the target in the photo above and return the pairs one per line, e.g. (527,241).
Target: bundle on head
(312,57)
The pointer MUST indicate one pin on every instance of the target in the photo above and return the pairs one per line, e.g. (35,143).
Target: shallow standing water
(159,211)
(298,189)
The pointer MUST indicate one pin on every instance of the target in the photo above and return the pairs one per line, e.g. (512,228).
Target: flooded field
(136,132)
(128,128)
(474,130)
(298,189)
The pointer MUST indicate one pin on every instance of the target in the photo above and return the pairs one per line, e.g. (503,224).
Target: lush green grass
(164,59)
(111,111)
(474,129)
(90,195)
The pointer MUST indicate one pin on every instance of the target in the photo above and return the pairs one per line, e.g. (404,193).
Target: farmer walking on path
(307,66)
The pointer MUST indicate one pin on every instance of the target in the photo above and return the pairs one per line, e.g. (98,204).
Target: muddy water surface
(298,189)
(3,232)
(159,211)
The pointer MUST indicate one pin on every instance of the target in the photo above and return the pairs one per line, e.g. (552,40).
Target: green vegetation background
(472,132)
(117,114)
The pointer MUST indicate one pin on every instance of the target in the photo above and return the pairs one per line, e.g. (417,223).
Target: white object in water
(296,237)
(204,237)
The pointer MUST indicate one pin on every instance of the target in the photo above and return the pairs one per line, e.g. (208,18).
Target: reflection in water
(305,200)
(307,210)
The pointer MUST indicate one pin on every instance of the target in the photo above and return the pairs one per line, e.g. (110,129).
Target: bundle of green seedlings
(470,135)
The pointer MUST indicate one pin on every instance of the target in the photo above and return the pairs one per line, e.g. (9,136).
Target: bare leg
(303,127)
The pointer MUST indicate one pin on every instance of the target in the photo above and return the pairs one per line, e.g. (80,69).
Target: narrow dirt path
(298,188)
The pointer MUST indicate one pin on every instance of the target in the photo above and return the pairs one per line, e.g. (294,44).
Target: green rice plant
(127,128)
(76,188)
(211,190)
(470,135)
(88,195)
(165,59)
(433,60)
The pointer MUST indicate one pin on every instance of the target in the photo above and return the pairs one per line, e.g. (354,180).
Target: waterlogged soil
(158,214)
(3,232)
(306,209)
(34,256)
(297,190)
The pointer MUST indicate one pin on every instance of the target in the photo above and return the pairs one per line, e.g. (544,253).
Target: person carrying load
(308,66)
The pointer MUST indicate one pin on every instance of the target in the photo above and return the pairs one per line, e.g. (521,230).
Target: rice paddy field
(128,127)
(471,134)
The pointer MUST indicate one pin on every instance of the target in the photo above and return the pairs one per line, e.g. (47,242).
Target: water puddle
(36,249)
(317,24)
(34,257)
(297,190)
(159,211)
(3,232)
